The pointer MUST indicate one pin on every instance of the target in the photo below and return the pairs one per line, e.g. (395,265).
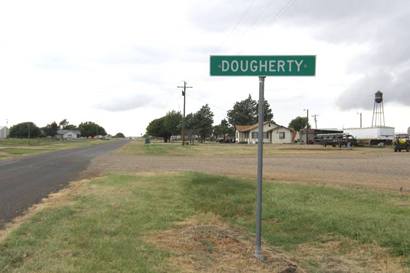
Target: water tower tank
(378,97)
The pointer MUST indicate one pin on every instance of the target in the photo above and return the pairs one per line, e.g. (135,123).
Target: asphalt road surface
(26,181)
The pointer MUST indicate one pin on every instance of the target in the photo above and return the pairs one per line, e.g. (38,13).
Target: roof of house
(62,132)
(247,128)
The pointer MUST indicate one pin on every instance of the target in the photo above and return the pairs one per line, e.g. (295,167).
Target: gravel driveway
(387,170)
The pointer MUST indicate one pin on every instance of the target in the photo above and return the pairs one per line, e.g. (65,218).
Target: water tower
(378,110)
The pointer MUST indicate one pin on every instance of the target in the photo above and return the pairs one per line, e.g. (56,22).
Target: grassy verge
(20,147)
(101,227)
(137,147)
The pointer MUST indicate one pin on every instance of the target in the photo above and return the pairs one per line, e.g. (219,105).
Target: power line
(241,18)
(262,18)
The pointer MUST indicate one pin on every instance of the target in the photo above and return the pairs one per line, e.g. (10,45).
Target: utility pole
(184,87)
(361,120)
(307,126)
(315,119)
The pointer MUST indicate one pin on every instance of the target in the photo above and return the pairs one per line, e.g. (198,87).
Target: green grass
(102,228)
(13,147)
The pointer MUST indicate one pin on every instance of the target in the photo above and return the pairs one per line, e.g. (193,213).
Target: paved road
(26,181)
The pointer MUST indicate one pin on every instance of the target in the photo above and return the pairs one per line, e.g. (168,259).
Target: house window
(281,135)
(255,135)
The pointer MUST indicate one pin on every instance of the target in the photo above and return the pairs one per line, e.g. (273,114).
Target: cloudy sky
(119,63)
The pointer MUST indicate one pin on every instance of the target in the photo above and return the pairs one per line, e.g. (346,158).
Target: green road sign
(263,65)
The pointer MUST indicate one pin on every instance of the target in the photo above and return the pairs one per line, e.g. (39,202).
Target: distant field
(11,148)
(193,222)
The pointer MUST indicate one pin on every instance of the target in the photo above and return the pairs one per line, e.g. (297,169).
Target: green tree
(224,130)
(267,112)
(25,130)
(299,123)
(166,126)
(155,128)
(63,123)
(119,135)
(91,129)
(243,112)
(203,120)
(190,126)
(70,127)
(172,123)
(51,129)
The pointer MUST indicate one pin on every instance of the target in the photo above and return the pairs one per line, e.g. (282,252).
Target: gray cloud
(381,24)
(124,103)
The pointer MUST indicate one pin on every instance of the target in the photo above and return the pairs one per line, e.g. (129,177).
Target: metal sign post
(262,66)
(258,250)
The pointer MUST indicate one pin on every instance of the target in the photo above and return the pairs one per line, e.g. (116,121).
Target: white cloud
(124,103)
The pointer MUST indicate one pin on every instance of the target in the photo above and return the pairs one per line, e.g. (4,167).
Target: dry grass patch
(348,256)
(205,244)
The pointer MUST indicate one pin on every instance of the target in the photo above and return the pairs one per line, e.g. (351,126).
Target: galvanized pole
(307,126)
(183,117)
(258,250)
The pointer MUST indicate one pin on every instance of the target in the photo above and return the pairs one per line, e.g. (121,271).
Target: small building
(272,133)
(4,132)
(68,134)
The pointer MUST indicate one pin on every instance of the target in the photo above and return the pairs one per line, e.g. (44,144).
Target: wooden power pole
(184,87)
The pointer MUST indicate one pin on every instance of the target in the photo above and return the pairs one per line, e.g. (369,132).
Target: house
(4,132)
(68,134)
(272,133)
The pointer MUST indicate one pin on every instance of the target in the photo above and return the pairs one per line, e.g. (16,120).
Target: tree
(243,112)
(91,129)
(223,130)
(155,128)
(119,135)
(70,127)
(172,123)
(51,129)
(63,123)
(267,112)
(203,120)
(166,126)
(190,126)
(299,123)
(25,130)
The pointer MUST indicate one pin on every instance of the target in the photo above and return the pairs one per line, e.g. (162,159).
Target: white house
(272,133)
(4,132)
(68,134)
